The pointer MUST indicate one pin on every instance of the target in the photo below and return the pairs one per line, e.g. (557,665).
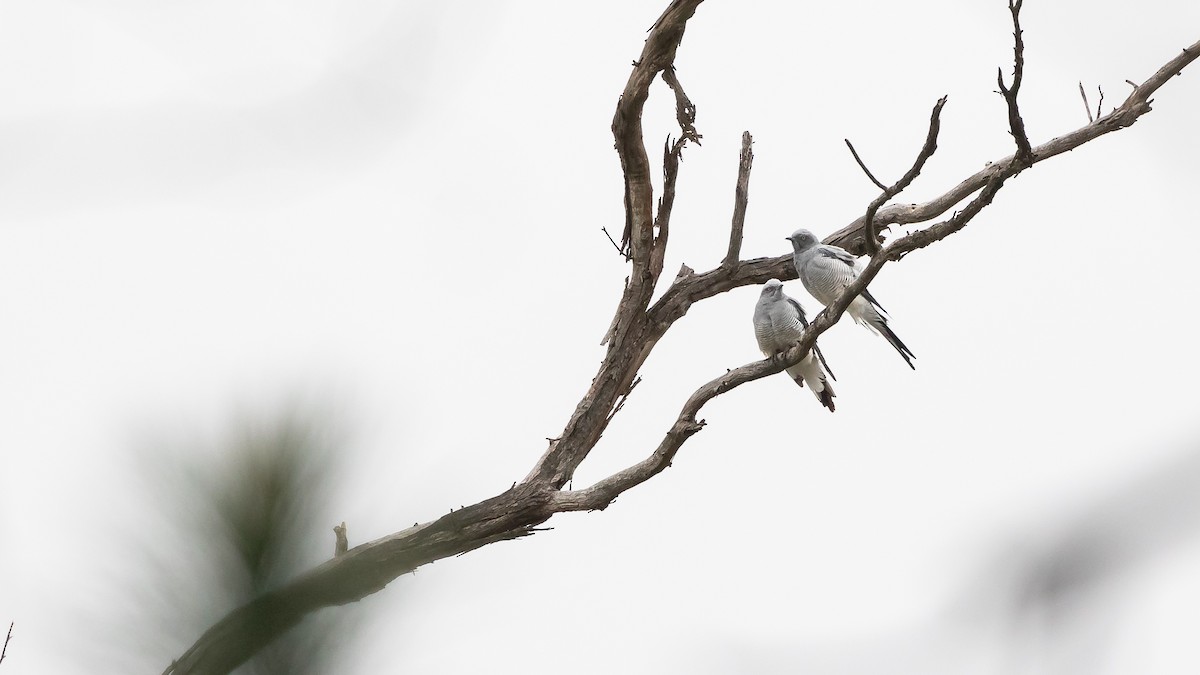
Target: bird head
(773,288)
(802,239)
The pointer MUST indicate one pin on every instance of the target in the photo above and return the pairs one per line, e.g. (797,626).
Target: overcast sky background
(392,211)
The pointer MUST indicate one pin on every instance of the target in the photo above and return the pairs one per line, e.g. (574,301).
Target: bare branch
(340,544)
(927,150)
(657,56)
(361,571)
(863,166)
(685,113)
(630,337)
(1024,156)
(637,327)
(602,493)
(4,651)
(1087,107)
(1101,103)
(741,198)
(672,154)
(614,243)
(685,110)
(1135,105)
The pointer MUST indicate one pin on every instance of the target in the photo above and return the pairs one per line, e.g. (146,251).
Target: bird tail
(864,310)
(826,397)
(888,334)
(809,371)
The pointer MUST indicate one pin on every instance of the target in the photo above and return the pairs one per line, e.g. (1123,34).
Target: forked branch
(686,425)
(927,150)
(1135,105)
(636,329)
(1016,125)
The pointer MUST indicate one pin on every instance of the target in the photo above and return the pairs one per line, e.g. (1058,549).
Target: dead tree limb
(1016,125)
(935,124)
(1136,104)
(863,166)
(4,650)
(741,199)
(637,326)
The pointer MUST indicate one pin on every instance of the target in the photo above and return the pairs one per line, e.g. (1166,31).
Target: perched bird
(779,322)
(826,270)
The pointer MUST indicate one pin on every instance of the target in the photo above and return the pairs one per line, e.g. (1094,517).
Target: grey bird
(779,322)
(826,270)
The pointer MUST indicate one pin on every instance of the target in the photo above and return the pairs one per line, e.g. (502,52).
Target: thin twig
(1101,90)
(1136,104)
(4,651)
(1087,107)
(863,166)
(1024,156)
(741,197)
(614,243)
(927,150)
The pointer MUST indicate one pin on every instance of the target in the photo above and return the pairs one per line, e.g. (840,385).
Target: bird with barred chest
(826,271)
(779,322)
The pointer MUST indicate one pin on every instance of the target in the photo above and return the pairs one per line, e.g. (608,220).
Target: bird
(826,271)
(779,322)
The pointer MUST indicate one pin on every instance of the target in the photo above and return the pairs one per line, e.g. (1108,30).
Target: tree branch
(685,110)
(685,113)
(863,166)
(672,154)
(4,650)
(361,571)
(1024,156)
(1136,104)
(741,198)
(927,150)
(599,495)
(657,56)
(630,338)
(637,327)
(1087,107)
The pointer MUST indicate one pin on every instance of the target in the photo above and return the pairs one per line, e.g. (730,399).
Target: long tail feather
(866,314)
(871,299)
(821,356)
(895,341)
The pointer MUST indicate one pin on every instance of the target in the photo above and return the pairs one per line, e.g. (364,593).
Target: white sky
(396,209)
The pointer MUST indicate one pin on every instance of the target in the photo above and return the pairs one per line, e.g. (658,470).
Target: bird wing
(804,322)
(837,253)
(828,272)
(799,311)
